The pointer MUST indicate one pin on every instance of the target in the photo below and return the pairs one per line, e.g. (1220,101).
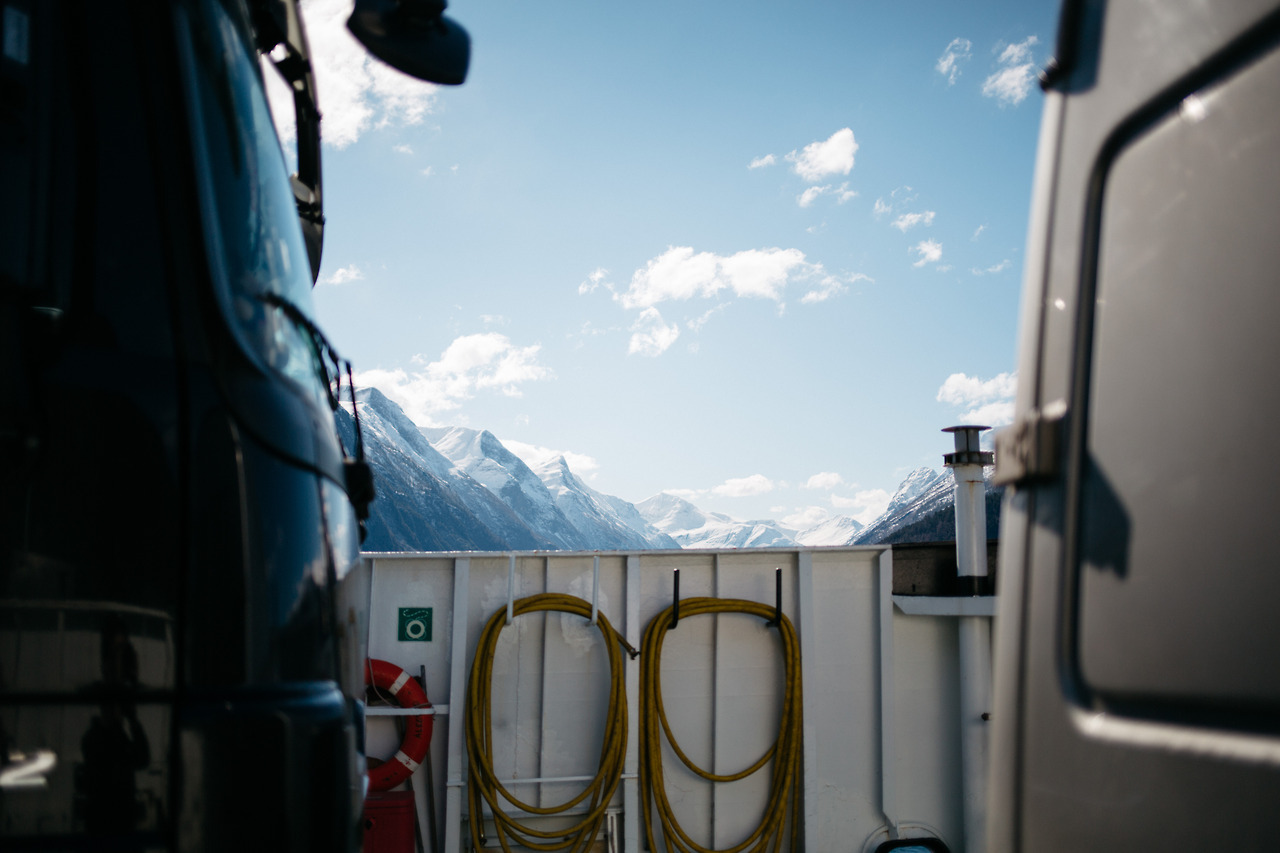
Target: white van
(1137,696)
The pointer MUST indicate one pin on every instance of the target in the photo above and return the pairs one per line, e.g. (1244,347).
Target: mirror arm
(278,23)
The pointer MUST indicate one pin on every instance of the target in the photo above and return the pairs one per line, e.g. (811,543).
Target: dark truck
(1137,681)
(180,653)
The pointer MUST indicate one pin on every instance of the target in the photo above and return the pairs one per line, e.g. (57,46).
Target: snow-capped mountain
(923,510)
(551,500)
(485,459)
(611,522)
(694,528)
(424,502)
(922,493)
(454,488)
(838,530)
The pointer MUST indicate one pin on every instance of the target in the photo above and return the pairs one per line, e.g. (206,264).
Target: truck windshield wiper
(359,476)
(331,364)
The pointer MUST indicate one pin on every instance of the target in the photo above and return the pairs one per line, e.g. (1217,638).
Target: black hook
(777,599)
(675,595)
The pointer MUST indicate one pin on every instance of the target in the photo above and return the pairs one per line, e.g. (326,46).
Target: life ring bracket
(386,676)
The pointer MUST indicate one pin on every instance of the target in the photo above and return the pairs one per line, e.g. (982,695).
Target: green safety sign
(415,625)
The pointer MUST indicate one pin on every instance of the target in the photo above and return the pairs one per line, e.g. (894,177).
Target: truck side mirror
(415,37)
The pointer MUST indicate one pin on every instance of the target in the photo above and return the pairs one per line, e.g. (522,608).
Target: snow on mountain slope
(694,528)
(598,517)
(836,531)
(924,492)
(626,512)
(381,417)
(454,488)
(414,509)
(485,459)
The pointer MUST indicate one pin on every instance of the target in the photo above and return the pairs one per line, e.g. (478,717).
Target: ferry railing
(881,755)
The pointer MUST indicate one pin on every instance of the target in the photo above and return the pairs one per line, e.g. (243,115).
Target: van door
(1138,689)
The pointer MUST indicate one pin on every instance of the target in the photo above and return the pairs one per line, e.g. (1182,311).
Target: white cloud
(991,270)
(428,172)
(494,320)
(957,52)
(676,274)
(962,390)
(867,504)
(744,487)
(1012,81)
(930,251)
(1009,85)
(824,480)
(760,162)
(472,363)
(911,220)
(989,402)
(697,323)
(978,233)
(899,199)
(831,286)
(806,198)
(834,156)
(680,274)
(587,330)
(1016,54)
(842,194)
(357,92)
(650,335)
(342,275)
(533,454)
(805,518)
(762,273)
(997,414)
(594,280)
(402,148)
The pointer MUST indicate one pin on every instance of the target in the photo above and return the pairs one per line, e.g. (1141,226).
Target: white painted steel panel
(722,681)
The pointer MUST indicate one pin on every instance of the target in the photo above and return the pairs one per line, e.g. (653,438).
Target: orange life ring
(417,735)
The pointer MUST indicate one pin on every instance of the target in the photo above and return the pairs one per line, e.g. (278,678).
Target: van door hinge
(1028,449)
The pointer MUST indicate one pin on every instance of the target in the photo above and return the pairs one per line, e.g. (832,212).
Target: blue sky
(757,255)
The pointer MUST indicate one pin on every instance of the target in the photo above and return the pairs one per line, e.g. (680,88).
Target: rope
(786,752)
(485,787)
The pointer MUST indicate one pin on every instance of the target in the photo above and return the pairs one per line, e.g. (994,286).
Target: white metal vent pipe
(966,465)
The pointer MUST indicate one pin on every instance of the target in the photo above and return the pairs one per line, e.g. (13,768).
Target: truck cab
(1137,695)
(180,653)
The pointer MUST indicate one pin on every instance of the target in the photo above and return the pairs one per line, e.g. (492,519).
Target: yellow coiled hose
(786,751)
(484,785)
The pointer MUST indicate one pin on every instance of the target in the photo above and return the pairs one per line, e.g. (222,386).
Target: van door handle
(27,770)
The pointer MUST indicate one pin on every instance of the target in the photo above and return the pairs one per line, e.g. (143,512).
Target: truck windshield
(257,255)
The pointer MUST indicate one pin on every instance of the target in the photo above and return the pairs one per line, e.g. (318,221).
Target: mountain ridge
(457,488)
